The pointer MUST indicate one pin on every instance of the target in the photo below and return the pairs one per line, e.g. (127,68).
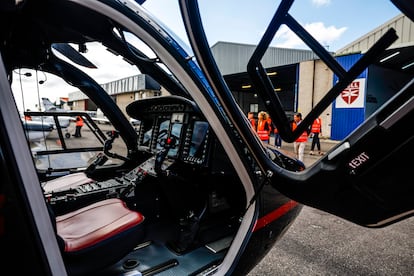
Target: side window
(63,133)
(73,141)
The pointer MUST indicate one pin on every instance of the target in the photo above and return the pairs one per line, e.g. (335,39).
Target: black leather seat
(98,235)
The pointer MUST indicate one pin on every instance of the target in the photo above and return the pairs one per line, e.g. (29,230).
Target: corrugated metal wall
(232,58)
(345,120)
(129,84)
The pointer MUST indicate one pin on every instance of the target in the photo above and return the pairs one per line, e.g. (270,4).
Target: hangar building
(301,80)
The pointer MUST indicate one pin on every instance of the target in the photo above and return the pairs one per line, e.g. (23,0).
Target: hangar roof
(400,53)
(232,57)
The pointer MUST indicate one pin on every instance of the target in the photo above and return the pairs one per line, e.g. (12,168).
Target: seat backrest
(66,182)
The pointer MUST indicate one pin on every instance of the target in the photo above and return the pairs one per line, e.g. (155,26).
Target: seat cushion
(99,235)
(94,223)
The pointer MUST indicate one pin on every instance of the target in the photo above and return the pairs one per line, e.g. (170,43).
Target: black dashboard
(177,147)
(172,125)
(175,121)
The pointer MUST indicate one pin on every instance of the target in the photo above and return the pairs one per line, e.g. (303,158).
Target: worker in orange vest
(27,117)
(316,129)
(252,120)
(300,143)
(79,125)
(263,128)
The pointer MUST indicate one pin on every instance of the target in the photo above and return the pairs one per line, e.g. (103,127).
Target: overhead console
(175,120)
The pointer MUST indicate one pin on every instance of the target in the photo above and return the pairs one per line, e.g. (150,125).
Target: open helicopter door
(365,178)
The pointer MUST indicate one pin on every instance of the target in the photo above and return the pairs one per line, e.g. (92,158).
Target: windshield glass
(64,130)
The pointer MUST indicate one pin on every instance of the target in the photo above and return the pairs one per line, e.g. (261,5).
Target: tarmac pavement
(326,145)
(319,243)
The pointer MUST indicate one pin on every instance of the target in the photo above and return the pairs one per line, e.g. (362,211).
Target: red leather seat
(98,235)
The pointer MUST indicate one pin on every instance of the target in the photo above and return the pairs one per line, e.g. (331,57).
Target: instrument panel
(174,120)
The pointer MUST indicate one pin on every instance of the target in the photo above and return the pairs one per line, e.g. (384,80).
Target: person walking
(300,143)
(278,139)
(316,130)
(79,125)
(252,120)
(263,128)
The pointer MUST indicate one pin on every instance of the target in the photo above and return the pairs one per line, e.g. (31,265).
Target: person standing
(79,125)
(271,133)
(278,139)
(252,120)
(27,117)
(316,129)
(263,128)
(300,143)
(274,133)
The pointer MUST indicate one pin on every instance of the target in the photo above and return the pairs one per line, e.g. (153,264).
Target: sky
(334,23)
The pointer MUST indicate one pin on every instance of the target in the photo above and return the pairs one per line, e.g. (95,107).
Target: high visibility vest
(253,123)
(79,121)
(303,137)
(316,126)
(262,132)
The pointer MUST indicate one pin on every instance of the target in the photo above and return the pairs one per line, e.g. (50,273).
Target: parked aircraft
(195,192)
(49,106)
(50,116)
(100,117)
(36,130)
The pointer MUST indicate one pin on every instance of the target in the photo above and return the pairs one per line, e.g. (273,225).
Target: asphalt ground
(308,159)
(319,243)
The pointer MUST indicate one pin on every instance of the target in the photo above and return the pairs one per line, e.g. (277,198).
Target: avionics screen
(198,138)
(174,132)
(146,132)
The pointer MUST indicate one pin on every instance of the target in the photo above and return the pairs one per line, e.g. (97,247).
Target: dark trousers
(278,140)
(78,131)
(315,141)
